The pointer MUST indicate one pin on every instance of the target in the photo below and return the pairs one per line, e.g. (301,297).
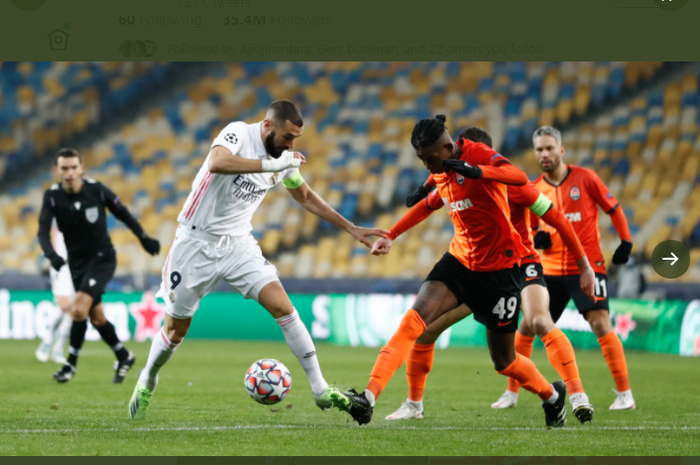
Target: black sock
(109,335)
(77,337)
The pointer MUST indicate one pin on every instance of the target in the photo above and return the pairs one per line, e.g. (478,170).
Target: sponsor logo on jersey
(91,214)
(575,193)
(231,138)
(459,205)
(247,191)
(573,217)
(460,179)
(273,179)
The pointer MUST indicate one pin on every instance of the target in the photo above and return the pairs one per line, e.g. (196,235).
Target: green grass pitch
(201,407)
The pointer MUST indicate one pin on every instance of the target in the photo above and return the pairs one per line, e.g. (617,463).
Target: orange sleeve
(430,181)
(620,222)
(600,193)
(554,218)
(415,215)
(534,221)
(505,173)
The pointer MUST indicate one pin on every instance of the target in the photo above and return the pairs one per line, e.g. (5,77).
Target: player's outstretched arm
(112,202)
(311,201)
(421,192)
(45,218)
(544,208)
(223,161)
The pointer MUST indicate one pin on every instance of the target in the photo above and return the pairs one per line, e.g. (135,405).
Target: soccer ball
(268,381)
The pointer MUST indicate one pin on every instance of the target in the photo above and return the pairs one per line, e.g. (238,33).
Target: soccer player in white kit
(213,241)
(53,344)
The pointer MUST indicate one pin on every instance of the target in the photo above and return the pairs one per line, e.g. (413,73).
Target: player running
(78,205)
(54,343)
(480,270)
(213,241)
(578,192)
(535,301)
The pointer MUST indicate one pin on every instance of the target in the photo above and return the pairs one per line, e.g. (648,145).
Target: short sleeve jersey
(578,197)
(485,239)
(222,204)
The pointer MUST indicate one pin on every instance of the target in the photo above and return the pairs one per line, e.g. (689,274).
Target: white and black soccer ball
(268,381)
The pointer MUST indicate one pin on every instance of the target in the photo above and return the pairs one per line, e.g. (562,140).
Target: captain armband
(541,205)
(295,181)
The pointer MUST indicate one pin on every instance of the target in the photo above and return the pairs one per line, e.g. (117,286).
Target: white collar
(256,135)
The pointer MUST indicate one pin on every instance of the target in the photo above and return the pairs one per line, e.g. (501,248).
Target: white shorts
(197,261)
(61,282)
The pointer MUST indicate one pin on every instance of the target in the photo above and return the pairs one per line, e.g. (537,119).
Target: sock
(300,343)
(561,355)
(523,346)
(525,372)
(418,365)
(62,333)
(161,351)
(109,335)
(54,321)
(615,356)
(77,337)
(394,353)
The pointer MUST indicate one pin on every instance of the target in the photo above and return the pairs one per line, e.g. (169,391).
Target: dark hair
(475,134)
(283,110)
(67,153)
(428,131)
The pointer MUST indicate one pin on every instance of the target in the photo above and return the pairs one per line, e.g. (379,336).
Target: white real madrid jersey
(224,204)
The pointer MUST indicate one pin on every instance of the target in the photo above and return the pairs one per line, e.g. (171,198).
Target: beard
(273,151)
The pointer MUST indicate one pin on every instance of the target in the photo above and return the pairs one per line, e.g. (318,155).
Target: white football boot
(582,408)
(42,352)
(409,410)
(624,401)
(509,399)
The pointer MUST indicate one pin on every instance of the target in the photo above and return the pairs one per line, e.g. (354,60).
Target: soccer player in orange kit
(480,270)
(578,192)
(535,301)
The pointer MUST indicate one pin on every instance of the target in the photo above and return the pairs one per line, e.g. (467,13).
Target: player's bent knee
(427,338)
(98,321)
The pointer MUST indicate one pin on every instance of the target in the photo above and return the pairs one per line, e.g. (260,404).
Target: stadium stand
(359,118)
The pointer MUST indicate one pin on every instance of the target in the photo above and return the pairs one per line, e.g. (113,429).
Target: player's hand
(463,168)
(57,262)
(150,245)
(361,234)
(286,160)
(417,195)
(588,282)
(622,253)
(542,240)
(381,246)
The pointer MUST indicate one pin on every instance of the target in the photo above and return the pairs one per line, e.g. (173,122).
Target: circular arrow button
(670,259)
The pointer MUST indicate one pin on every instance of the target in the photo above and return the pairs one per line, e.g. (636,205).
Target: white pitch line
(433,428)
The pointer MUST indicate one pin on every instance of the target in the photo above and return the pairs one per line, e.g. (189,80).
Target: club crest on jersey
(460,179)
(575,193)
(91,214)
(77,205)
(273,179)
(231,138)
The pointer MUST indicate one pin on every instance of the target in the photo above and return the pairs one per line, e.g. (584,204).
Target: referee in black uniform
(78,204)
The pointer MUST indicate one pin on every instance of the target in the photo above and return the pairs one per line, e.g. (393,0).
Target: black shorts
(532,273)
(91,276)
(493,296)
(563,288)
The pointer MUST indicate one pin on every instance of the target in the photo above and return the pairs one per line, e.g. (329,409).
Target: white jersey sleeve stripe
(198,195)
(204,190)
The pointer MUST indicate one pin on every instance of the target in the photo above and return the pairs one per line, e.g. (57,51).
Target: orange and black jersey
(578,197)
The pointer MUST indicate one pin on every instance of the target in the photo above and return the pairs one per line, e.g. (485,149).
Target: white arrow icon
(673,260)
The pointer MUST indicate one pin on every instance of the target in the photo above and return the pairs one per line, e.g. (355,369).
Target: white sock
(161,351)
(55,320)
(554,398)
(370,397)
(299,341)
(62,333)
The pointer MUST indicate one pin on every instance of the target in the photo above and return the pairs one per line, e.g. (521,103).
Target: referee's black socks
(77,337)
(109,335)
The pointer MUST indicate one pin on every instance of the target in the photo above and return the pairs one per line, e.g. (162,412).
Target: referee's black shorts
(92,275)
